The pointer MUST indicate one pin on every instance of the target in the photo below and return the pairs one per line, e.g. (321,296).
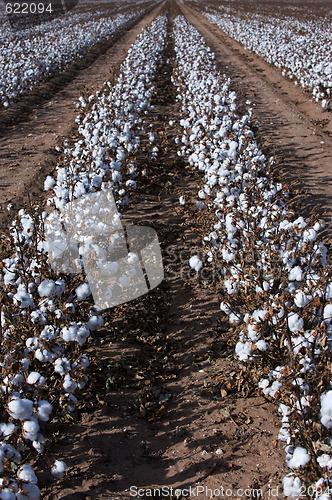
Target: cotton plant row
(301,48)
(47,315)
(31,56)
(277,285)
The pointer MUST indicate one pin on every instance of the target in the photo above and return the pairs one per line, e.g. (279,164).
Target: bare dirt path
(27,153)
(158,414)
(286,116)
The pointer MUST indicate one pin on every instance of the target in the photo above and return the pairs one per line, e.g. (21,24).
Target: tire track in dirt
(195,437)
(27,153)
(302,150)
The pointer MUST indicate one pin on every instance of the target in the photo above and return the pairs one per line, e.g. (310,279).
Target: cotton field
(274,270)
(299,46)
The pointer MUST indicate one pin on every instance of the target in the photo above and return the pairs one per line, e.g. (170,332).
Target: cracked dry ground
(163,408)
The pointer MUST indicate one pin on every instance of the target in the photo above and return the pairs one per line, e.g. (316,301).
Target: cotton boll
(261,345)
(295,322)
(195,263)
(292,486)
(295,274)
(325,461)
(94,323)
(182,200)
(30,492)
(328,313)
(300,458)
(83,291)
(69,384)
(44,410)
(26,474)
(46,288)
(58,469)
(7,429)
(301,299)
(62,365)
(326,409)
(20,409)
(36,378)
(49,183)
(7,494)
(30,429)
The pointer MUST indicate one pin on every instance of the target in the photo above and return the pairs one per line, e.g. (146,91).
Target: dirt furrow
(159,416)
(27,153)
(285,114)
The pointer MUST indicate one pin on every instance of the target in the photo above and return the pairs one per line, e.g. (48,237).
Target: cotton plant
(276,277)
(30,56)
(46,314)
(300,48)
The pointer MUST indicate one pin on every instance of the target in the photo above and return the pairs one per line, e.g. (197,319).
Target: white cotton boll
(7,494)
(301,299)
(182,200)
(292,486)
(295,274)
(326,409)
(7,429)
(62,365)
(263,383)
(325,461)
(44,410)
(30,492)
(328,312)
(94,323)
(46,288)
(225,307)
(261,345)
(39,443)
(243,351)
(300,458)
(83,291)
(195,263)
(295,322)
(69,384)
(30,429)
(200,205)
(36,378)
(20,409)
(26,474)
(43,355)
(82,334)
(58,469)
(49,183)
(132,258)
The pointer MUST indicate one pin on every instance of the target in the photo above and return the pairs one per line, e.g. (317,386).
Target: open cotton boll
(7,494)
(49,183)
(328,313)
(292,486)
(301,299)
(300,458)
(58,469)
(326,409)
(7,429)
(26,474)
(62,365)
(83,291)
(46,288)
(195,263)
(44,410)
(20,409)
(30,429)
(325,461)
(69,384)
(30,492)
(295,322)
(295,274)
(36,378)
(182,200)
(94,323)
